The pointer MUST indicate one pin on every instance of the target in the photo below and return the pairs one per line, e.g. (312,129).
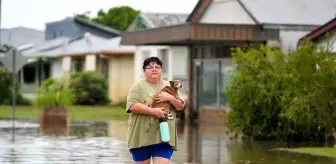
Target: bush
(283,96)
(6,89)
(90,88)
(53,93)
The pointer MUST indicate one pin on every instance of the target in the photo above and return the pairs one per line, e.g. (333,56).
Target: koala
(173,90)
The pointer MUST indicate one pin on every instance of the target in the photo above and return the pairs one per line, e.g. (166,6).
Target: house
(176,54)
(324,35)
(215,26)
(74,45)
(112,60)
(21,36)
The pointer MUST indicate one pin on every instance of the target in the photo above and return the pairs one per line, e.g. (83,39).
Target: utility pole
(0,21)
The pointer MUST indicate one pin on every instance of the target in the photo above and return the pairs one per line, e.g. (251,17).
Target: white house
(215,26)
(173,57)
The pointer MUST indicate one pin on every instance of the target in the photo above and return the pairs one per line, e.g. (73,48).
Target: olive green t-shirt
(144,130)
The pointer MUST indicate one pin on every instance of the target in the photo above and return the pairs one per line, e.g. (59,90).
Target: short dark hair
(151,60)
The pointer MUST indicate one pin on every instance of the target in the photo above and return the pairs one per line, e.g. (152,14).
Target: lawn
(77,113)
(323,151)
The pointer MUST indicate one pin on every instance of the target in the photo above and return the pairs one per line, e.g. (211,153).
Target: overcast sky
(35,13)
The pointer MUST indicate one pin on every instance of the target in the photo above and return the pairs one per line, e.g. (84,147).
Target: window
(104,67)
(61,33)
(54,35)
(145,54)
(139,24)
(163,55)
(78,65)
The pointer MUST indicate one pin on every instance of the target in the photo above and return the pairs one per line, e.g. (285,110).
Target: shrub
(6,89)
(90,88)
(283,96)
(53,93)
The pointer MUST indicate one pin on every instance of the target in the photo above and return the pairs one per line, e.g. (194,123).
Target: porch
(32,75)
(209,60)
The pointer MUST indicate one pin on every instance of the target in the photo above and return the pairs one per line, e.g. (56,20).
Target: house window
(163,55)
(139,24)
(54,35)
(104,68)
(145,54)
(61,33)
(78,65)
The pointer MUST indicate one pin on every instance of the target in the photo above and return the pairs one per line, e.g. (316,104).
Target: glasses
(155,67)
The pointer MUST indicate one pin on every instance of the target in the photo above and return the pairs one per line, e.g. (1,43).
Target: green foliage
(119,18)
(284,96)
(54,93)
(6,89)
(90,88)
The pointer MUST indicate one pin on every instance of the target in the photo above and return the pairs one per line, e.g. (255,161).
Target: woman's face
(153,71)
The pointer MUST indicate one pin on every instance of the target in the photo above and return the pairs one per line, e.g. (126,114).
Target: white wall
(331,43)
(180,66)
(139,58)
(90,62)
(179,60)
(56,68)
(226,11)
(289,39)
(231,12)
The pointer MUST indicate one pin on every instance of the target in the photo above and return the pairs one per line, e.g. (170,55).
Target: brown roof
(199,10)
(320,31)
(194,32)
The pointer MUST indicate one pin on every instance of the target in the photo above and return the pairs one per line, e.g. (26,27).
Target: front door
(210,79)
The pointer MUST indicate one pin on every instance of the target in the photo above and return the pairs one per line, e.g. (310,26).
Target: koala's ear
(171,83)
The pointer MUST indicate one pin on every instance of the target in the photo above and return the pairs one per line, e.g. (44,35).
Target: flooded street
(105,143)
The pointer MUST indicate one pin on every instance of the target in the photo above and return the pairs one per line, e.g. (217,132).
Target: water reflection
(105,142)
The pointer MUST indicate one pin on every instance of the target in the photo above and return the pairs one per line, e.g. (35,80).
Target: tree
(6,83)
(117,17)
(284,96)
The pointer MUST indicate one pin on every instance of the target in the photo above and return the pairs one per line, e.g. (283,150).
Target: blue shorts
(163,150)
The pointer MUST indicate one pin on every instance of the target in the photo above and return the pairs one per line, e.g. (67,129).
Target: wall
(177,62)
(226,11)
(65,27)
(180,60)
(180,66)
(120,77)
(331,43)
(140,57)
(289,39)
(68,27)
(56,68)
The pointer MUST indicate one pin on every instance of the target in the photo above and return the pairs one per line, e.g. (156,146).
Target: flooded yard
(105,143)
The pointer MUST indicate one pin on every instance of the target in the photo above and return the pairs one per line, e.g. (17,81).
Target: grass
(76,113)
(318,151)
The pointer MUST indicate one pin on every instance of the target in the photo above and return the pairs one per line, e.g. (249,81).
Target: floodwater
(105,143)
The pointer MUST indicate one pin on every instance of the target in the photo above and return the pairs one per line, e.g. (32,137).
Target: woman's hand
(164,96)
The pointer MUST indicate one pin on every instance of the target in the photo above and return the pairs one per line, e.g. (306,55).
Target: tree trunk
(54,120)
